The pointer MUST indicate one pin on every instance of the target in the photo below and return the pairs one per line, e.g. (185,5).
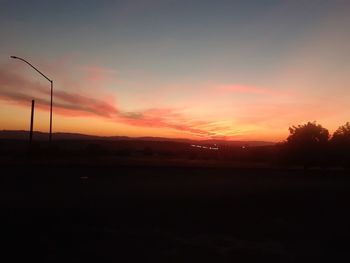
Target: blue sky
(214,61)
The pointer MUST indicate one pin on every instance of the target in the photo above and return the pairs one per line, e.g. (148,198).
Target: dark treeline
(307,145)
(311,144)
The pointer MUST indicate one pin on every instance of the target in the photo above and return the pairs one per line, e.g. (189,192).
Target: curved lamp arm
(42,74)
(51,93)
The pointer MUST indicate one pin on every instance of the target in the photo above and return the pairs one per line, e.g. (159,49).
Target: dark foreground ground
(165,214)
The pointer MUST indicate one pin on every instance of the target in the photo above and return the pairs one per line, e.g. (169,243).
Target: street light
(51,81)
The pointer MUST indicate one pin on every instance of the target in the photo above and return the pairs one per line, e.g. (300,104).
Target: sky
(234,70)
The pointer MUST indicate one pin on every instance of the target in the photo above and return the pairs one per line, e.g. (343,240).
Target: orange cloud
(167,118)
(15,88)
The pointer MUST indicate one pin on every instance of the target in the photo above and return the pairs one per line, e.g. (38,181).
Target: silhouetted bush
(310,135)
(341,136)
(308,144)
(340,145)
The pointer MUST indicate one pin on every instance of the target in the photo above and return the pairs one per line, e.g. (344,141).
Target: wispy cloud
(248,89)
(15,88)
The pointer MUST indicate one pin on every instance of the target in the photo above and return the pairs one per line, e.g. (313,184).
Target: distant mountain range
(42,136)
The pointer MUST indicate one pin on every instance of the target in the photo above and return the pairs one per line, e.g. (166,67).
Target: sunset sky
(238,70)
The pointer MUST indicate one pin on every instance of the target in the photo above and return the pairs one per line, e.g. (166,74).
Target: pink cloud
(15,88)
(238,88)
(99,74)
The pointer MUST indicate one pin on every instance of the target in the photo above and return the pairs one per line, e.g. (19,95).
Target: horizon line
(134,137)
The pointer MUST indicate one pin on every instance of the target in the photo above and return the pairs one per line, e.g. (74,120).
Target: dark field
(174,214)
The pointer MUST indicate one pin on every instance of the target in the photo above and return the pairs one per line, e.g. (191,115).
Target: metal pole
(31,123)
(42,74)
(50,138)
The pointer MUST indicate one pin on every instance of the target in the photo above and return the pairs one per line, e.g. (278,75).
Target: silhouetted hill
(42,136)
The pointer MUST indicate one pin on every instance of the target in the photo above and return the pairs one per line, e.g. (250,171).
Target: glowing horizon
(170,69)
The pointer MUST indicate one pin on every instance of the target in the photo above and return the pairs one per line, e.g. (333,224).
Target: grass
(175,214)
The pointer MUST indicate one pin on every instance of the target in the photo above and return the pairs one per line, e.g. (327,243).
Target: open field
(175,214)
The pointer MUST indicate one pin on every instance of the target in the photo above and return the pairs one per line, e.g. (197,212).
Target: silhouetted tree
(307,143)
(310,134)
(340,143)
(342,135)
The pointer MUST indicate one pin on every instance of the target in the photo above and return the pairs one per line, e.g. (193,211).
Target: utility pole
(31,123)
(51,91)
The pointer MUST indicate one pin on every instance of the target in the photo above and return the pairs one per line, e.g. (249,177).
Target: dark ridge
(43,136)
